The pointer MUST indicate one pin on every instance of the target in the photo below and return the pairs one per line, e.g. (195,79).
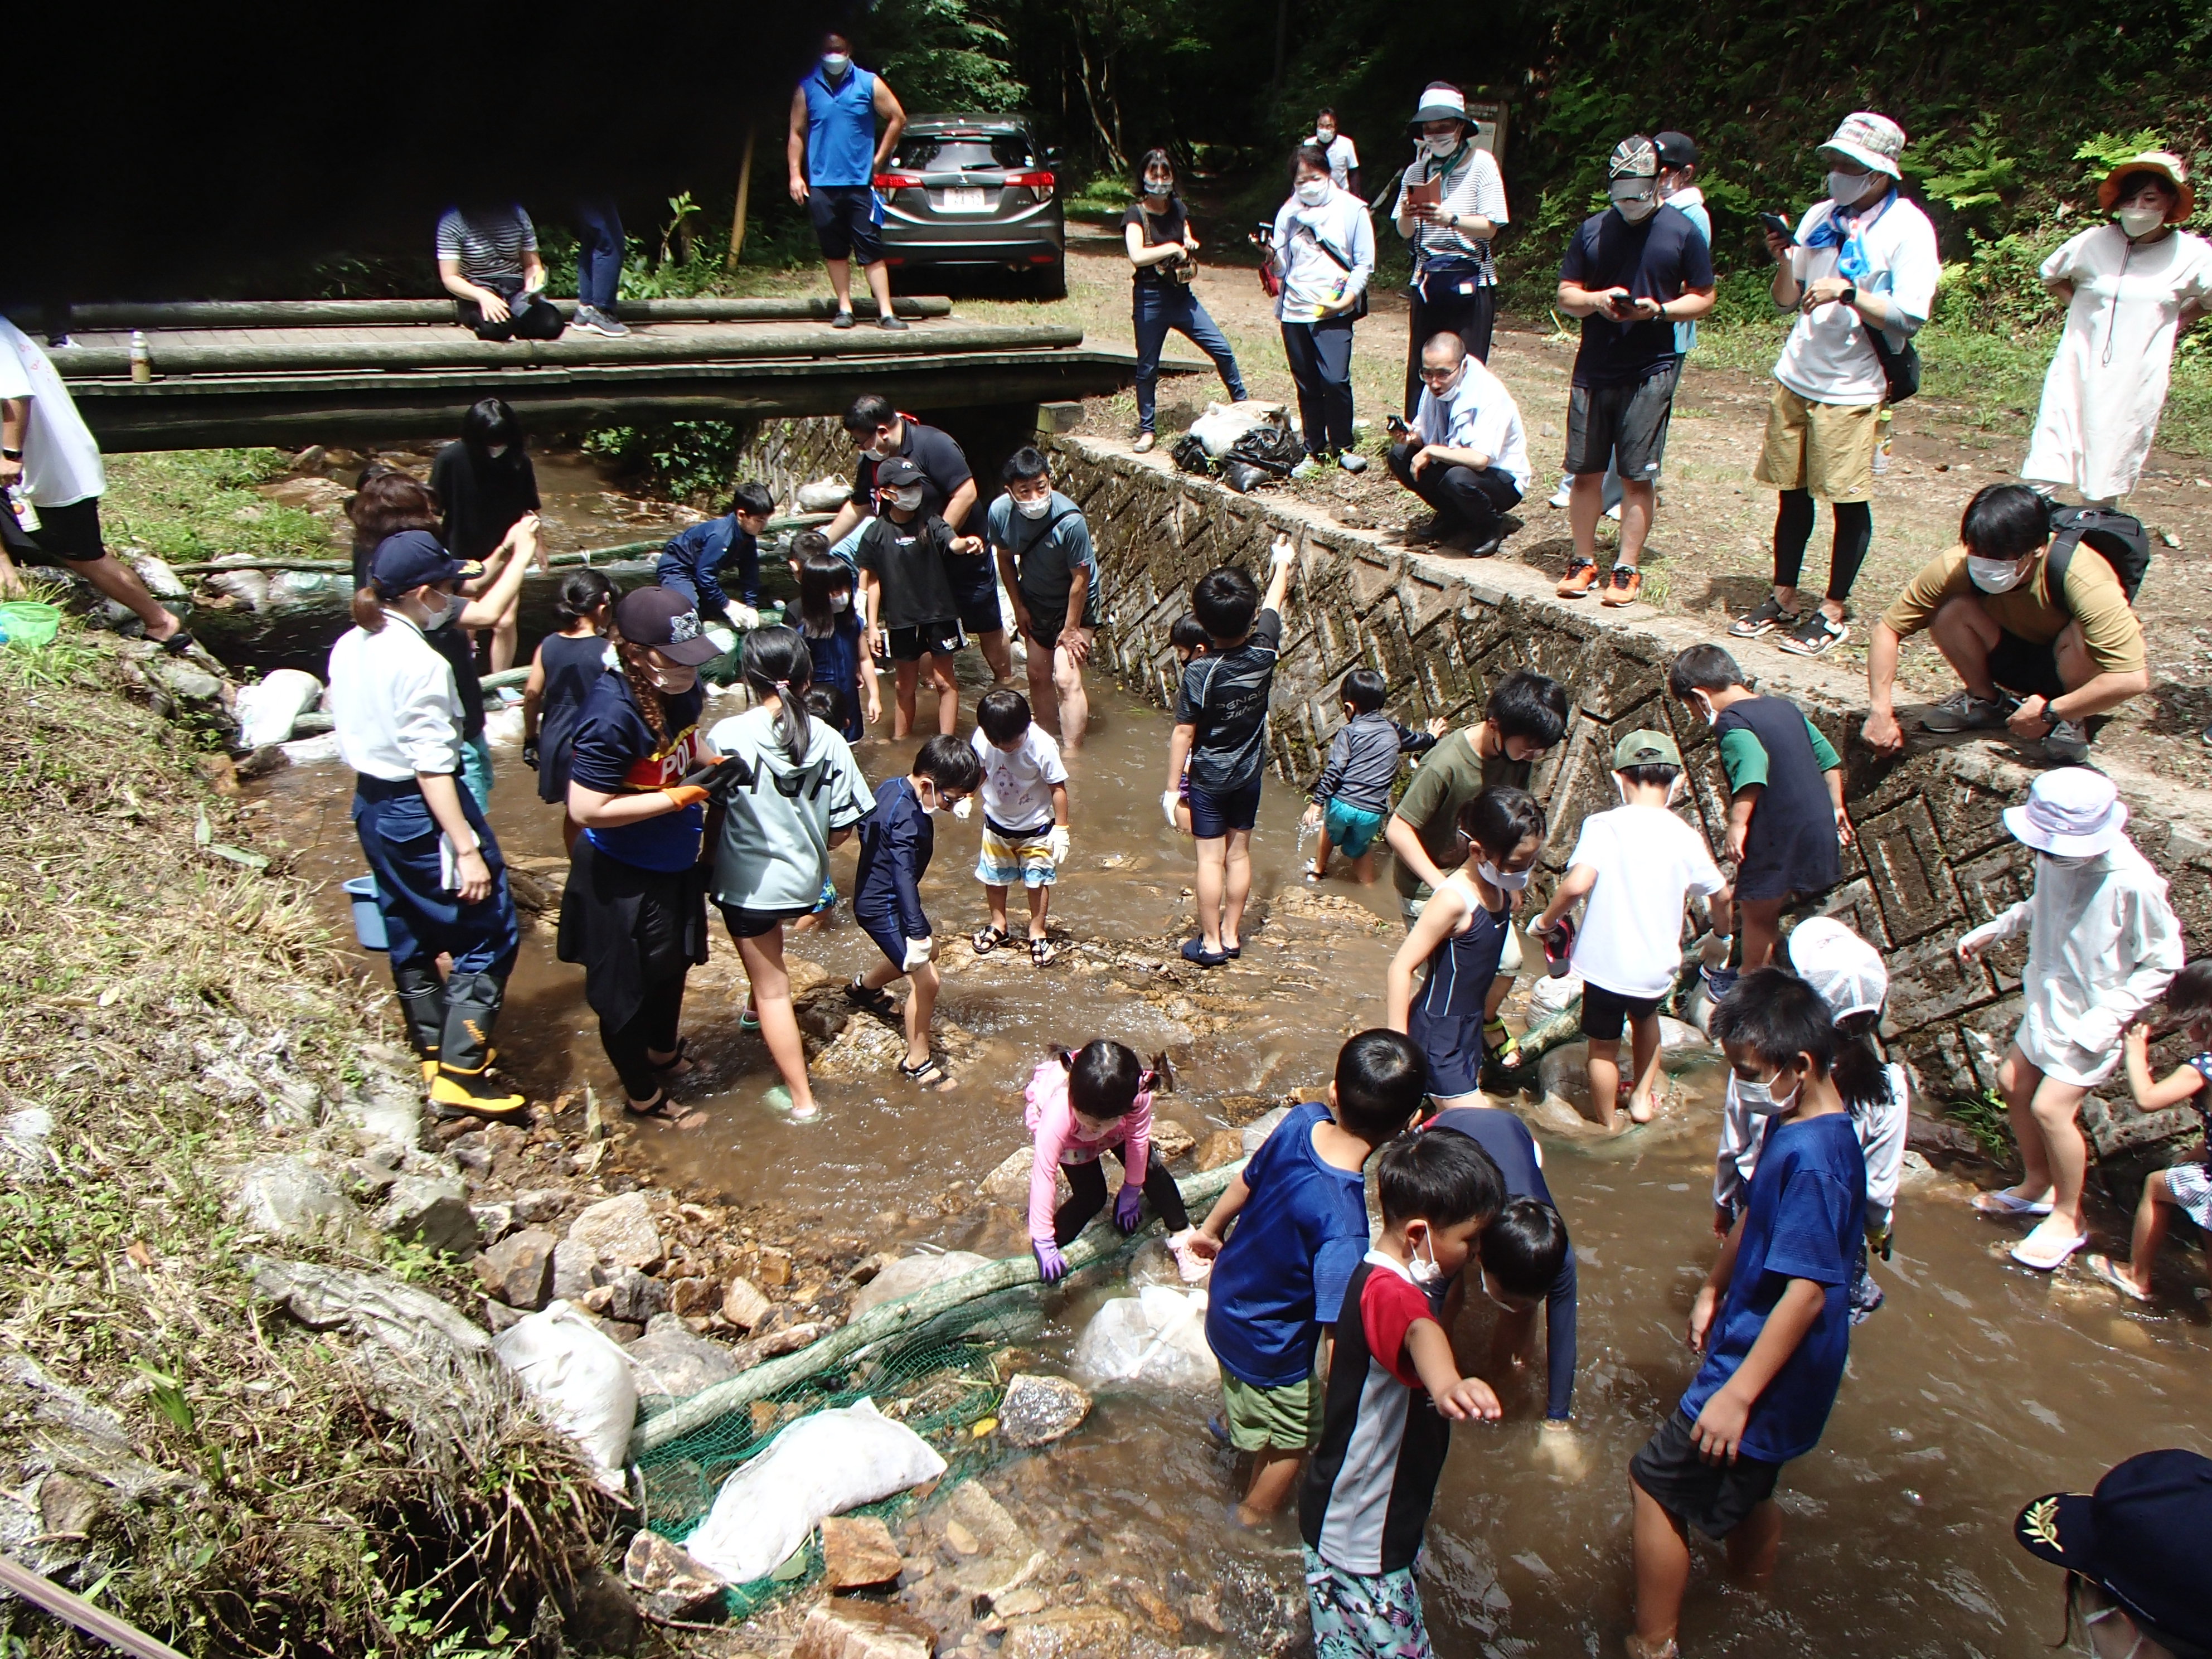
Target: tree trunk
(745,200)
(1109,138)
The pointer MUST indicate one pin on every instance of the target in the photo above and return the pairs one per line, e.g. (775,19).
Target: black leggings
(1089,1181)
(1793,528)
(652,1027)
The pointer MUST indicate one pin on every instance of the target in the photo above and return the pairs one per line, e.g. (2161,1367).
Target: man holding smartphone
(1631,273)
(1465,454)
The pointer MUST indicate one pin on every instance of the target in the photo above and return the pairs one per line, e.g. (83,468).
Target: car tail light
(1039,182)
(898,181)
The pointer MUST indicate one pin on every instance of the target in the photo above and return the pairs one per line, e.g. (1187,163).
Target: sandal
(2101,1268)
(987,939)
(680,1064)
(1042,953)
(1194,950)
(747,1019)
(660,1108)
(871,1000)
(1499,1046)
(179,642)
(2050,1256)
(929,1075)
(2001,1203)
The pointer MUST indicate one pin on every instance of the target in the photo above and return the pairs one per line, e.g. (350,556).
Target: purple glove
(1125,1205)
(1052,1265)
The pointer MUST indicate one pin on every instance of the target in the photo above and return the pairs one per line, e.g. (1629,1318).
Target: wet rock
(1151,1604)
(857,1550)
(69,1506)
(1039,1410)
(1253,1135)
(744,1304)
(868,1266)
(775,1267)
(668,1583)
(286,1197)
(1222,1146)
(494,1221)
(433,1209)
(910,1274)
(1171,1140)
(519,1269)
(576,1271)
(961,1538)
(619,1232)
(1009,1184)
(789,1339)
(635,1297)
(1941,1136)
(1084,1632)
(864,1630)
(1267,1617)
(544,1203)
(669,1359)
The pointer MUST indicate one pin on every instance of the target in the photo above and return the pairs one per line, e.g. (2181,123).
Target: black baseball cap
(668,622)
(2140,1537)
(1676,150)
(897,473)
(404,562)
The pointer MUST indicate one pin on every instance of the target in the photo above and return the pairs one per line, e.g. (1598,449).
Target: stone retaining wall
(1933,858)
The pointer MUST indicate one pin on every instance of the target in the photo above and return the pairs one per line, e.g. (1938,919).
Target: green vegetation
(190,505)
(1984,1117)
(690,461)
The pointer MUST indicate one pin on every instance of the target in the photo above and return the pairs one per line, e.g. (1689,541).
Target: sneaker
(842,319)
(1306,468)
(1962,711)
(1624,582)
(1581,577)
(1614,513)
(1563,495)
(1765,619)
(1145,442)
(2067,741)
(1351,461)
(1815,635)
(891,323)
(596,321)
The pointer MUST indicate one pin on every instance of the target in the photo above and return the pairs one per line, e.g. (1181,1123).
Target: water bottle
(1881,437)
(141,360)
(19,501)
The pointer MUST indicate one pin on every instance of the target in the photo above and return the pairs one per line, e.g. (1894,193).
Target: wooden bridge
(313,371)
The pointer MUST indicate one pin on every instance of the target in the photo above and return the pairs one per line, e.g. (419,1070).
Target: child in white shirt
(1024,797)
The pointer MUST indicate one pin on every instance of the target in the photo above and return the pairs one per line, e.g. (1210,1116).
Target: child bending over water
(1082,1106)
(2184,1187)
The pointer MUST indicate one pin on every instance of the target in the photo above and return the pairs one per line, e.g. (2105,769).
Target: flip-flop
(929,1075)
(2101,1268)
(2000,1202)
(2045,1263)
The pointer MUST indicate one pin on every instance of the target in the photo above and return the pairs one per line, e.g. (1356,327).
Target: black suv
(974,189)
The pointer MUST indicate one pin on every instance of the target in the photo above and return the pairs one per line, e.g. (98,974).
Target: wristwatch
(1850,296)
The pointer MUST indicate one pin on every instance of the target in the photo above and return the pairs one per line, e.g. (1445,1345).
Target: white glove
(917,952)
(1056,843)
(1980,939)
(1169,801)
(744,617)
(964,806)
(1282,553)
(1714,952)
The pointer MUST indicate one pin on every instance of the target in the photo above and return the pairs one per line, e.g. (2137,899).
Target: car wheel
(1052,280)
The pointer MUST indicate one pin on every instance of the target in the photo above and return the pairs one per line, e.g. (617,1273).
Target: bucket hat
(2139,1537)
(1872,141)
(2169,166)
(1440,102)
(668,622)
(2071,812)
(1841,966)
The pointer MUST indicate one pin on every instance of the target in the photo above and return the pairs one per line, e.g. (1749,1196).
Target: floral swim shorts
(1364,1616)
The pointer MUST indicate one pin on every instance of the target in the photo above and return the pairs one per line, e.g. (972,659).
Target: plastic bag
(824,1464)
(1189,454)
(1270,448)
(1242,476)
(1157,1336)
(29,622)
(580,1381)
(267,710)
(1222,424)
(1547,996)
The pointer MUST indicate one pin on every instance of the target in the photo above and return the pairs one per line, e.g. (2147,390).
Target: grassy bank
(190,505)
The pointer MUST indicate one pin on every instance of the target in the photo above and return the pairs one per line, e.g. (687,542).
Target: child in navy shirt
(835,637)
(692,562)
(1773,1320)
(896,843)
(1300,1208)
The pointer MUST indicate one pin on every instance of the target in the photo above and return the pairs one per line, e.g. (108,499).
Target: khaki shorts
(1287,1418)
(1826,448)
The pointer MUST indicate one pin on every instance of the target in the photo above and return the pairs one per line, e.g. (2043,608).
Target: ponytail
(777,664)
(368,611)
(1859,1073)
(643,691)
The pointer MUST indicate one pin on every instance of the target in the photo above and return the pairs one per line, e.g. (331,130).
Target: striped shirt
(489,247)
(1475,190)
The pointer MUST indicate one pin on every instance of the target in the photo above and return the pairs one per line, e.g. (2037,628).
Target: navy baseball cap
(668,622)
(2140,1536)
(405,562)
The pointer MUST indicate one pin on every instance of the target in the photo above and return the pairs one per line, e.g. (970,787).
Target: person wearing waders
(441,882)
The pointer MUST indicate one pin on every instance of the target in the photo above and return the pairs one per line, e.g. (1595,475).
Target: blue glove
(1125,1205)
(1052,1265)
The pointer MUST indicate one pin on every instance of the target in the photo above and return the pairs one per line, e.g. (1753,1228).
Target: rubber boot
(423,1001)
(462,1086)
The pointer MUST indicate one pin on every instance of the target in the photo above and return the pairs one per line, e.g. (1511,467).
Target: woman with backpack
(2130,287)
(1156,232)
(1323,251)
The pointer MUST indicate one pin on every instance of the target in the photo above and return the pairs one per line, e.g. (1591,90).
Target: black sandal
(179,642)
(661,1109)
(1042,953)
(987,939)
(929,1075)
(680,1063)
(871,1000)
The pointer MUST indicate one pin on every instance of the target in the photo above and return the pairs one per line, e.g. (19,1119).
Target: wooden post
(744,199)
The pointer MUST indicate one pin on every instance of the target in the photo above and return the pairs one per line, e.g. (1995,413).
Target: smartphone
(1780,227)
(1424,192)
(1396,425)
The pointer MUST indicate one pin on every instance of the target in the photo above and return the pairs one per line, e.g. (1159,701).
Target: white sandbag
(824,494)
(1222,424)
(311,751)
(503,728)
(1547,996)
(1157,1337)
(580,1382)
(267,709)
(824,1464)
(249,587)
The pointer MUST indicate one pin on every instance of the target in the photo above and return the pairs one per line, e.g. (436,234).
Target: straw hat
(2167,166)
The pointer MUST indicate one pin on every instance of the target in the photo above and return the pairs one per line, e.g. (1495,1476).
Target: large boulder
(619,1232)
(670,1360)
(910,1274)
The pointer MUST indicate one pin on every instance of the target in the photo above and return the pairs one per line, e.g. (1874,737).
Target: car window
(947,154)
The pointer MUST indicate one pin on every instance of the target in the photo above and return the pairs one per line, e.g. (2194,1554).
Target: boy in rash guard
(695,559)
(1394,1393)
(1352,797)
(895,844)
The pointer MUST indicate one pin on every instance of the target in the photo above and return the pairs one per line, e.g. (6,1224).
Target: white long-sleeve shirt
(394,707)
(1881,1137)
(1310,278)
(2102,942)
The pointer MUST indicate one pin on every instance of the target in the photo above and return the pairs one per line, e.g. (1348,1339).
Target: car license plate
(968,199)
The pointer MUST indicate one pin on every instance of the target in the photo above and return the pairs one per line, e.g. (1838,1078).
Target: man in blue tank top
(836,155)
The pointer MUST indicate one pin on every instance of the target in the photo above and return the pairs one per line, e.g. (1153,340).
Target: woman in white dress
(2130,287)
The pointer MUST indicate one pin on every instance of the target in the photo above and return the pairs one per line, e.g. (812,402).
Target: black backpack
(2117,538)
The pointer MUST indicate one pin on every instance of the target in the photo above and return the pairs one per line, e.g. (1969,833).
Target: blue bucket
(367,919)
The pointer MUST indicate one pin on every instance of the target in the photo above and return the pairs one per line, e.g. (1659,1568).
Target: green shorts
(1287,1418)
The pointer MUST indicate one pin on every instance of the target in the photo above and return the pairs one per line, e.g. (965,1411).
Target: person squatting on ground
(441,882)
(563,668)
(1638,865)
(487,491)
(895,844)
(834,155)
(1773,1320)
(1395,1390)
(1351,799)
(693,559)
(1156,229)
(1861,273)
(2102,943)
(836,638)
(1787,826)
(1467,454)
(1024,794)
(1454,290)
(1080,1106)
(1460,935)
(488,260)
(2183,1187)
(1299,1207)
(1322,247)
(1631,274)
(633,912)
(789,791)
(904,585)
(1221,735)
(1042,544)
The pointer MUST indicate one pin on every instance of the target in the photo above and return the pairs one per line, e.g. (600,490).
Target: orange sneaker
(1622,585)
(1581,577)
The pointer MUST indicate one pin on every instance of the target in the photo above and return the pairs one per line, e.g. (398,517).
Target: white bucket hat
(1841,966)
(1440,102)
(1872,141)
(2072,811)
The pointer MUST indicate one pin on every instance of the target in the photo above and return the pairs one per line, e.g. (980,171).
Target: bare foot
(1641,1109)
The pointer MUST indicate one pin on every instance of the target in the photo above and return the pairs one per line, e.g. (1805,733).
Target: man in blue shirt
(693,561)
(836,154)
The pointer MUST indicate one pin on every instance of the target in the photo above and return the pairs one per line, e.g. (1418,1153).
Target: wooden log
(345,314)
(895,1319)
(95,1622)
(590,555)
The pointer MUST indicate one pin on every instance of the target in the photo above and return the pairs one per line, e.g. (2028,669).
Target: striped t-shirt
(490,246)
(1476,189)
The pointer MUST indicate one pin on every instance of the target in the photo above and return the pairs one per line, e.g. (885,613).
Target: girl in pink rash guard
(1082,1105)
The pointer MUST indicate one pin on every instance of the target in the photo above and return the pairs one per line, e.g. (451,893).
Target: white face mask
(1699,701)
(2138,222)
(1761,1100)
(453,604)
(1426,1274)
(1440,148)
(1033,506)
(1635,199)
(494,450)
(1510,881)
(835,64)
(1993,575)
(841,601)
(872,454)
(908,499)
(1847,189)
(1312,193)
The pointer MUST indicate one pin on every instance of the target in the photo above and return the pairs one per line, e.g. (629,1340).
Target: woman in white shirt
(2130,287)
(1323,249)
(441,882)
(1455,286)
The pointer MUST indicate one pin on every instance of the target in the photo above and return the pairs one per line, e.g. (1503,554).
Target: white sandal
(2043,1261)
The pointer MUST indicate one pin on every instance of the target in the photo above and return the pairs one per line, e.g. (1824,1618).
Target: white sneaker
(1563,495)
(1194,1268)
